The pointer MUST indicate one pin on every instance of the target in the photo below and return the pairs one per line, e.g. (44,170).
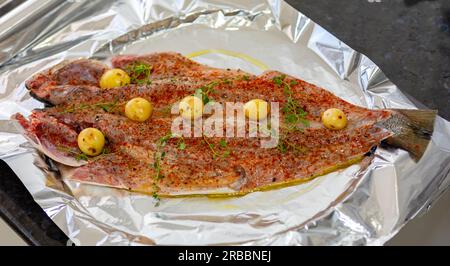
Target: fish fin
(412,130)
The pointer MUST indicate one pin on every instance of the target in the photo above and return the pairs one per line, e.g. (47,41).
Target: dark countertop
(408,39)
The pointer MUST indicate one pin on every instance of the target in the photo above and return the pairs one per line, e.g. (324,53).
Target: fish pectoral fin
(412,130)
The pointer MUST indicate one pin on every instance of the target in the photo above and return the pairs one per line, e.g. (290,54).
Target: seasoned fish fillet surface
(134,148)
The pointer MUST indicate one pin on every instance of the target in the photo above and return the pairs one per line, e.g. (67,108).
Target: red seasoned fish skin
(78,72)
(161,63)
(169,65)
(109,170)
(132,145)
(22,121)
(130,167)
(119,129)
(313,99)
(54,137)
(186,170)
(172,81)
(116,170)
(257,167)
(54,133)
(74,95)
(167,68)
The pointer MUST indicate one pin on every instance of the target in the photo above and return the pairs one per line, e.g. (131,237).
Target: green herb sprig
(108,107)
(80,156)
(220,151)
(139,73)
(245,78)
(205,91)
(284,145)
(293,112)
(293,115)
(166,110)
(158,156)
(181,144)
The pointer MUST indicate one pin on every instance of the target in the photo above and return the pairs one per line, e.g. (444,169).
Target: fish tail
(412,130)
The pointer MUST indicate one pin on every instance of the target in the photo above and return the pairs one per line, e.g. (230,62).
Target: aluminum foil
(355,206)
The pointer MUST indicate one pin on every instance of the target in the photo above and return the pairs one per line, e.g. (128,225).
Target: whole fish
(145,157)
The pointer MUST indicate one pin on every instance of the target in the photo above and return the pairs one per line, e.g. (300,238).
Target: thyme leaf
(205,91)
(181,144)
(245,77)
(108,107)
(139,73)
(159,155)
(223,143)
(293,115)
(292,110)
(220,151)
(284,145)
(166,109)
(81,156)
(78,156)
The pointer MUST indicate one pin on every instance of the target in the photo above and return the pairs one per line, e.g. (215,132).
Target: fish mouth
(46,102)
(23,126)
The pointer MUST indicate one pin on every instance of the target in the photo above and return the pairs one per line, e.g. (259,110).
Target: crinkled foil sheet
(354,206)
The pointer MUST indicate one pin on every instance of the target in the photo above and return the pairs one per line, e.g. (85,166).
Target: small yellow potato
(334,119)
(138,109)
(191,107)
(256,109)
(114,78)
(91,141)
